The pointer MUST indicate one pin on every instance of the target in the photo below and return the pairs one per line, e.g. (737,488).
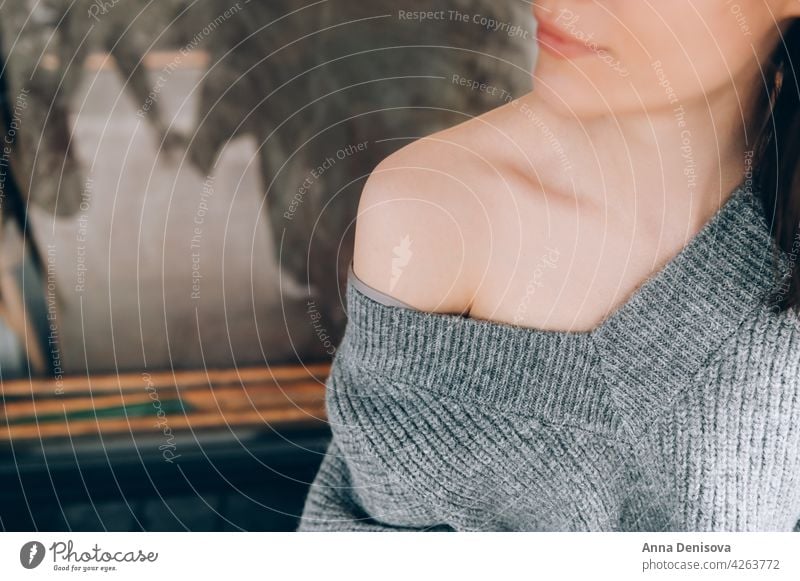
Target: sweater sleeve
(728,446)
(333,504)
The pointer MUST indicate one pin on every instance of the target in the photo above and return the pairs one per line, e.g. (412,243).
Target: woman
(579,311)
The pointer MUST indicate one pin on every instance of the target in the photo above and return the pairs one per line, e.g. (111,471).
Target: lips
(561,43)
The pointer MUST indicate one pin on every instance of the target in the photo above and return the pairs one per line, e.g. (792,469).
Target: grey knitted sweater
(680,412)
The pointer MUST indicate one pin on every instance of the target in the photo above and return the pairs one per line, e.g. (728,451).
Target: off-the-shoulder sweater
(680,412)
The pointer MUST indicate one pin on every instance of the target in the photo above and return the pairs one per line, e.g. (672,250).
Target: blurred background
(178,188)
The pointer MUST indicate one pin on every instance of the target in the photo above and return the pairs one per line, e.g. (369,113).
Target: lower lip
(560,47)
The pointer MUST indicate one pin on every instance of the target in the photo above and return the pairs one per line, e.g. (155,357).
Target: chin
(574,92)
(566,95)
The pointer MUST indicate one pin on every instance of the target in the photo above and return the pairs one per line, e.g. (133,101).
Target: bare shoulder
(423,220)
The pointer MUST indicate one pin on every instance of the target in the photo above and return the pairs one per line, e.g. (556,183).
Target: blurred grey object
(46,43)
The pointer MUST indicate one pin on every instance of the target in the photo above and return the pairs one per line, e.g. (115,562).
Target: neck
(682,161)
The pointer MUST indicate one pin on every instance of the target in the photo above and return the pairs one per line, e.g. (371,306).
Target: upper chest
(561,267)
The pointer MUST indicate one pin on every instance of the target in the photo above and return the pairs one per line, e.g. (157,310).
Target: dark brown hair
(777,158)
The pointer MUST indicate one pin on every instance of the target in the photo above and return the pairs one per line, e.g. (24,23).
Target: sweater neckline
(662,332)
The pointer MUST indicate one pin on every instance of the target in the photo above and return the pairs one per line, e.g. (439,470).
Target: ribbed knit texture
(680,412)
